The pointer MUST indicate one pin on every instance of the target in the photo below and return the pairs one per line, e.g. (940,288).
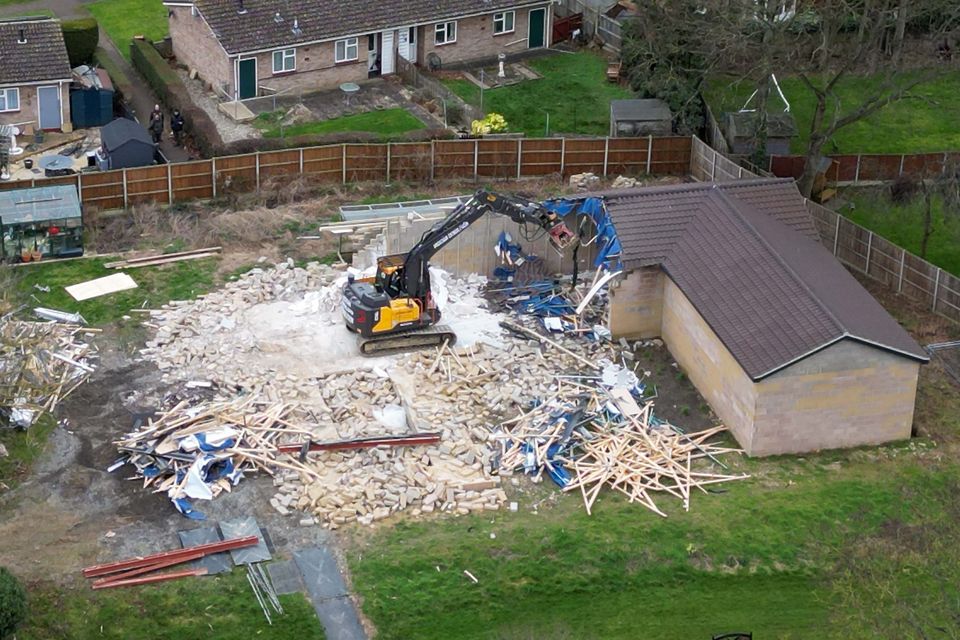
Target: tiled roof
(747,257)
(256,28)
(42,57)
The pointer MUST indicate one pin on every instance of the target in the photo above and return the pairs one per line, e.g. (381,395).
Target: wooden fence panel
(583,155)
(324,164)
(282,166)
(454,159)
(190,180)
(237,174)
(147,185)
(498,158)
(366,162)
(882,168)
(670,156)
(410,161)
(541,156)
(628,156)
(786,166)
(102,190)
(948,295)
(16,184)
(923,164)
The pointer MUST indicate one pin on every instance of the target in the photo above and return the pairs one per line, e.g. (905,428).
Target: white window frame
(347,43)
(502,19)
(445,28)
(285,56)
(6,99)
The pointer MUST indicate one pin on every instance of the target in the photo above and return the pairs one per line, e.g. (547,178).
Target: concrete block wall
(713,370)
(847,395)
(636,304)
(195,47)
(475,38)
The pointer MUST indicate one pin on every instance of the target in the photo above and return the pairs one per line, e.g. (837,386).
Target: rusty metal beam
(160,577)
(143,561)
(162,564)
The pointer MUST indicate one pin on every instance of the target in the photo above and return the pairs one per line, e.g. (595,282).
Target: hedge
(172,94)
(121,83)
(13,603)
(81,37)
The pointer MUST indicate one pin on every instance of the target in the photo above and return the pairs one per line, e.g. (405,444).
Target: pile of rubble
(41,363)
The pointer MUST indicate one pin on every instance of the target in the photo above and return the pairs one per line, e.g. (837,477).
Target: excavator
(395,311)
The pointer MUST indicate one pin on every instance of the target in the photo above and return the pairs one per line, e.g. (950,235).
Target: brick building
(248,47)
(34,75)
(786,346)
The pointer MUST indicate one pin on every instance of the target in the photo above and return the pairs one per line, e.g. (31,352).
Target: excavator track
(409,341)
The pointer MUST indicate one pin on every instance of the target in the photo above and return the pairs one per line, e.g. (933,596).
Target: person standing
(176,126)
(156,124)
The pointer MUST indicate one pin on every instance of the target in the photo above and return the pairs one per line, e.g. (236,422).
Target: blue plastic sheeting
(608,245)
(185,507)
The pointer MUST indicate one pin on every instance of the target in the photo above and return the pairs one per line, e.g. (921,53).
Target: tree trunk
(811,165)
(901,31)
(927,219)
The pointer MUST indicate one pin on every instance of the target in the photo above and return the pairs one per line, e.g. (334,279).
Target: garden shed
(741,132)
(790,351)
(91,98)
(125,144)
(40,223)
(640,117)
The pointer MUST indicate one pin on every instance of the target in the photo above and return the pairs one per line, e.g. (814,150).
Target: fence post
(903,259)
(80,187)
(433,159)
(257,158)
(519,156)
(836,235)
(739,172)
(169,184)
(213,176)
(943,165)
(869,248)
(936,289)
(856,176)
(301,160)
(124,188)
(476,158)
(388,161)
(902,156)
(713,165)
(606,154)
(649,153)
(343,163)
(563,158)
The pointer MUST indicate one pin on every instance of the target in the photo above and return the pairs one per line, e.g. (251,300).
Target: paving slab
(285,577)
(328,593)
(213,563)
(240,528)
(339,619)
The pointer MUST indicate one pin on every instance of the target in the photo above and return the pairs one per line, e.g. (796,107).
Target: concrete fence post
(300,167)
(476,158)
(836,235)
(563,158)
(869,248)
(433,159)
(856,176)
(519,157)
(169,184)
(903,260)
(256,156)
(213,176)
(902,156)
(606,155)
(713,165)
(936,289)
(943,165)
(343,163)
(389,152)
(80,187)
(125,199)
(649,153)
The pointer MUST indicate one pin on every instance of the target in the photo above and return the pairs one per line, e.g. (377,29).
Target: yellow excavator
(395,311)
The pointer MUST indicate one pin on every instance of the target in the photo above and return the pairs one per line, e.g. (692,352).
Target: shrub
(454,113)
(121,83)
(493,123)
(13,603)
(81,37)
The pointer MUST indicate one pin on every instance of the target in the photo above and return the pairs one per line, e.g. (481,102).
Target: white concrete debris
(584,181)
(625,182)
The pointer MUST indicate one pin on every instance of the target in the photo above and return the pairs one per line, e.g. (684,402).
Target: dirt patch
(676,399)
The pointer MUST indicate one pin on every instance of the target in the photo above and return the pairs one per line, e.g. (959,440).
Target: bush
(121,83)
(13,603)
(81,37)
(172,93)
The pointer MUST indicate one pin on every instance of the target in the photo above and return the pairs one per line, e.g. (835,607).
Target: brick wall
(475,38)
(847,395)
(636,304)
(29,114)
(196,48)
(712,369)
(315,69)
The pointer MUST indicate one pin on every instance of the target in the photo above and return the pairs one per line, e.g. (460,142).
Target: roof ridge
(776,254)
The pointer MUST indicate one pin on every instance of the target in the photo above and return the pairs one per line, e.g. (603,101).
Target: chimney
(23,38)
(277,17)
(240,8)
(296,27)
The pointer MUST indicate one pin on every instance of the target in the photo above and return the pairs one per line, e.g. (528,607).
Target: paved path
(329,595)
(142,101)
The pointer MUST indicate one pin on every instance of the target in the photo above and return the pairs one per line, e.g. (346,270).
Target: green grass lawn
(387,123)
(925,122)
(23,448)
(214,607)
(902,224)
(573,89)
(124,19)
(156,285)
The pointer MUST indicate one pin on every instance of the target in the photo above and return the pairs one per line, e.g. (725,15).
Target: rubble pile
(41,363)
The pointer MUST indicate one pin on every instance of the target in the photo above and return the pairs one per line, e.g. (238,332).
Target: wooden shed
(640,117)
(740,129)
(125,144)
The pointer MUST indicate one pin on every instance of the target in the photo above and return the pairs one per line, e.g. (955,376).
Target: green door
(536,28)
(248,78)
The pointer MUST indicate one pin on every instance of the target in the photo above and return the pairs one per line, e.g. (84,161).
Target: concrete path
(329,595)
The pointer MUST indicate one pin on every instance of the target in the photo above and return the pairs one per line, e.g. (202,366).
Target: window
(503,22)
(347,50)
(445,33)
(285,60)
(9,99)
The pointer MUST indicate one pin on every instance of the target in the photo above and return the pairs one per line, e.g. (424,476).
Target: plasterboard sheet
(101,286)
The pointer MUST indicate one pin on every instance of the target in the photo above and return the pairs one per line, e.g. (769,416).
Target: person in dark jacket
(156,124)
(176,126)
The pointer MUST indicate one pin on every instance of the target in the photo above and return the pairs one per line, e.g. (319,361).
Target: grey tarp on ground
(328,593)
(213,563)
(285,577)
(240,528)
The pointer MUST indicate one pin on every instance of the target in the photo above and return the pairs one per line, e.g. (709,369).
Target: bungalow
(247,47)
(34,75)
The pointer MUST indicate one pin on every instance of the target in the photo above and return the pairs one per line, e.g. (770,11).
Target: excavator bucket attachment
(561,237)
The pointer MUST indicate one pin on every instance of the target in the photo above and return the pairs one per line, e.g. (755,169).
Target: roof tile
(43,55)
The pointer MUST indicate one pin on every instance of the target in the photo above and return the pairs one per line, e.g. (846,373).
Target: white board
(388,61)
(101,286)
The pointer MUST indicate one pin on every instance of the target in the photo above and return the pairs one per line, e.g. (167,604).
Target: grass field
(926,121)
(156,285)
(902,224)
(124,19)
(387,123)
(573,90)
(217,607)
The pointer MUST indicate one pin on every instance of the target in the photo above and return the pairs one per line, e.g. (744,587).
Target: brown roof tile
(42,57)
(747,257)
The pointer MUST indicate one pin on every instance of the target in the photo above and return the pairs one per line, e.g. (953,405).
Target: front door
(247,79)
(536,28)
(388,61)
(48,99)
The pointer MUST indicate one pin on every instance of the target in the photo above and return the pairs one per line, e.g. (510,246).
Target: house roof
(639,109)
(747,257)
(120,131)
(43,55)
(256,28)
